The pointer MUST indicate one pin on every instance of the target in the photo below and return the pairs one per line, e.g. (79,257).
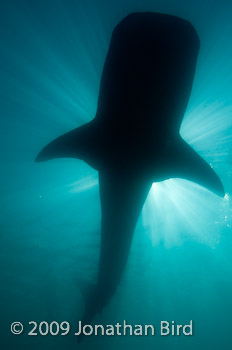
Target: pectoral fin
(190,166)
(79,143)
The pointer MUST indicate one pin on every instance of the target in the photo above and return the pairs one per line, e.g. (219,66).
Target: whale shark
(134,139)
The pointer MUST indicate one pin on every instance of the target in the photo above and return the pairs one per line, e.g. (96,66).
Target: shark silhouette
(134,138)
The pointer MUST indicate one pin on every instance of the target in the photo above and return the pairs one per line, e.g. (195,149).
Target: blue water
(51,59)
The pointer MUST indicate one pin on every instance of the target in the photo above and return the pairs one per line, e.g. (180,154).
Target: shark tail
(92,303)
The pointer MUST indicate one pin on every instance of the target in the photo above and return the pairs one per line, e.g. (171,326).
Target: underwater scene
(178,276)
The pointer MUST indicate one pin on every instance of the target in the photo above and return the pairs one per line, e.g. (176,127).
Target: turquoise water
(52,55)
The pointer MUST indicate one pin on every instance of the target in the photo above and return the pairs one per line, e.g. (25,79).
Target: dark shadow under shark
(134,138)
